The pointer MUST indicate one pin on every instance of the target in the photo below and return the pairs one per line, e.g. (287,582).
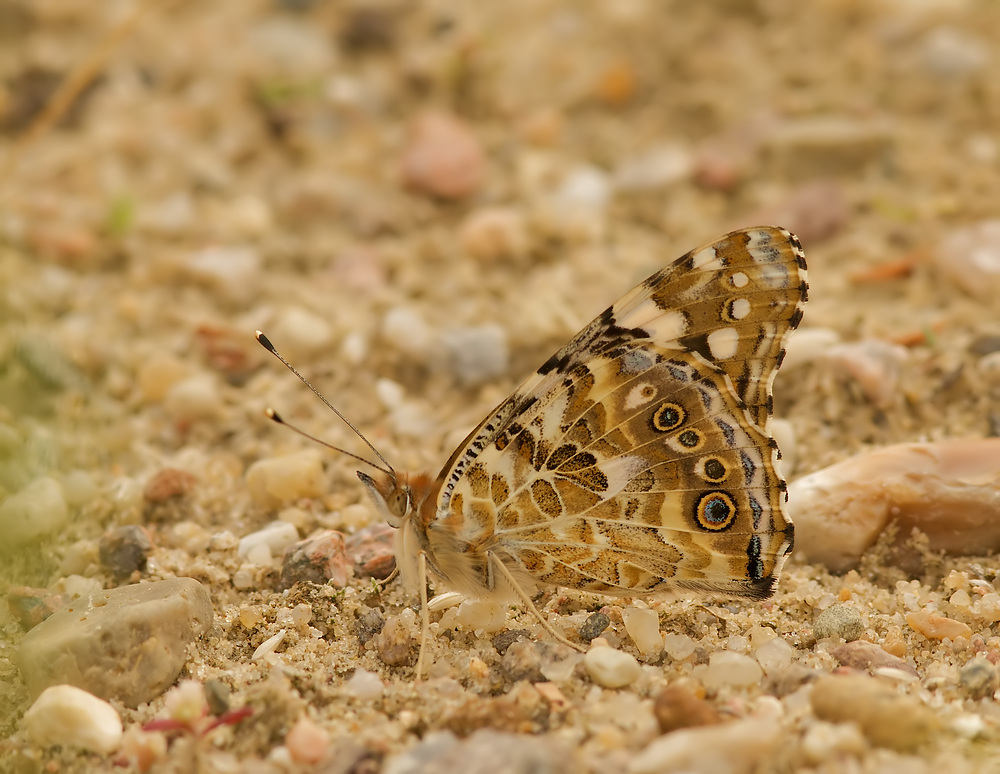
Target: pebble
(476,615)
(825,741)
(364,685)
(654,169)
(595,624)
(395,642)
(947,489)
(31,606)
(678,646)
(443,158)
(368,625)
(301,334)
(308,743)
(874,365)
(194,398)
(643,626)
(814,211)
(522,660)
(970,256)
(866,655)
(31,513)
(508,637)
(827,147)
(233,272)
(269,646)
(168,483)
(277,480)
(937,627)
(158,374)
(485,750)
(727,669)
(475,355)
(947,52)
(774,656)
(738,747)
(885,717)
(124,550)
(676,707)
(260,546)
(611,668)
(320,558)
(128,643)
(978,678)
(494,233)
(839,621)
(372,551)
(70,717)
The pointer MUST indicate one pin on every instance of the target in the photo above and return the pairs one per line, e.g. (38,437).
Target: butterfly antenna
(275,417)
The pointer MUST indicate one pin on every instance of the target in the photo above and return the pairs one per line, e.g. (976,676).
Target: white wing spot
(739,279)
(664,326)
(740,308)
(723,343)
(706,259)
(640,395)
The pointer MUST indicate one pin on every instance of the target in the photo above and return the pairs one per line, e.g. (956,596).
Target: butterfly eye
(398,503)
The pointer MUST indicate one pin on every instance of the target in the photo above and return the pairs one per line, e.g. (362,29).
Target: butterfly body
(636,460)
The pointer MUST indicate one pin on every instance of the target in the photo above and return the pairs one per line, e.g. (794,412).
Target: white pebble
(274,538)
(196,397)
(481,615)
(678,646)
(643,626)
(301,333)
(277,480)
(611,668)
(404,326)
(268,646)
(364,685)
(36,510)
(738,747)
(774,655)
(71,717)
(234,272)
(808,345)
(729,669)
(475,355)
(971,257)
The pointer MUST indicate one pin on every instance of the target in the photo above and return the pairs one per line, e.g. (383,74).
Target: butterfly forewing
(636,459)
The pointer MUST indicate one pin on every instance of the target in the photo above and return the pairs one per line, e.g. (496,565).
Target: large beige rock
(128,643)
(949,490)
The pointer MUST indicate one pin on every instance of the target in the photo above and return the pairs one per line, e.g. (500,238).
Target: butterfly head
(393,498)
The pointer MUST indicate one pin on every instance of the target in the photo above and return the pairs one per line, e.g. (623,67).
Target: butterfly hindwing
(636,459)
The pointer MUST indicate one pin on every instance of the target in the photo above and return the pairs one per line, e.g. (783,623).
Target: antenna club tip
(264,341)
(273,415)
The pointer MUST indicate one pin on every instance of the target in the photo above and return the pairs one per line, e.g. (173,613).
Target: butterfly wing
(636,459)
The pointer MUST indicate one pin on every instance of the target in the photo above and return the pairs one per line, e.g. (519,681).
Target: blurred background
(420,201)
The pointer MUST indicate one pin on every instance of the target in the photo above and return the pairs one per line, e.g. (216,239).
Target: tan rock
(937,627)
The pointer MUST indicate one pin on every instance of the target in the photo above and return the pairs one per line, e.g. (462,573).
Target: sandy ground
(242,166)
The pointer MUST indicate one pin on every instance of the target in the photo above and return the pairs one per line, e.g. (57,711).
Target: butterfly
(636,460)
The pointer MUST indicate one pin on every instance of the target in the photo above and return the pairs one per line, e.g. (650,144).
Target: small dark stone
(594,626)
(978,678)
(217,695)
(368,29)
(123,550)
(523,661)
(985,345)
(320,559)
(507,638)
(368,625)
(32,606)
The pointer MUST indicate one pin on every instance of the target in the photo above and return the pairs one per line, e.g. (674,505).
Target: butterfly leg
(529,604)
(425,615)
